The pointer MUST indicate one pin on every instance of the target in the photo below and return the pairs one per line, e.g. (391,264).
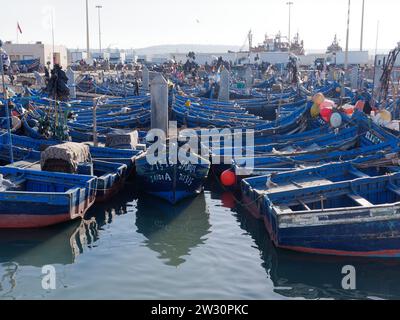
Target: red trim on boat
(11,221)
(31,221)
(380,253)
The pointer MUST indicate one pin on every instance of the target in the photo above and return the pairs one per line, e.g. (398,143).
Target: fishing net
(127,140)
(65,157)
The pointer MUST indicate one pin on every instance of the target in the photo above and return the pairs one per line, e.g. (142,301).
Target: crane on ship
(248,41)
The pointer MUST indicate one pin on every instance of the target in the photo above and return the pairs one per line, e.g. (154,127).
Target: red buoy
(326,114)
(228,178)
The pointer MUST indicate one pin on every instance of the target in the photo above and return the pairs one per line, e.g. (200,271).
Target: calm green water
(206,248)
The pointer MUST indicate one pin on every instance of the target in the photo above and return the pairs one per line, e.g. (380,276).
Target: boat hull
(172,183)
(41,199)
(378,239)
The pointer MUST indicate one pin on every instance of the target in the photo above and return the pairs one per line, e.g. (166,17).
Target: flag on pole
(19,28)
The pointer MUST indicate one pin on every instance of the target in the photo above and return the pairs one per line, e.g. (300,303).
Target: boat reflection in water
(297,275)
(105,213)
(60,244)
(173,231)
(57,245)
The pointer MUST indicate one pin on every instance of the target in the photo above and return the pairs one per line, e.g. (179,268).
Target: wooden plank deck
(294,185)
(360,200)
(26,165)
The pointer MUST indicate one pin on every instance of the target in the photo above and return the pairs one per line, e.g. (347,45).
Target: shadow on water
(173,231)
(297,275)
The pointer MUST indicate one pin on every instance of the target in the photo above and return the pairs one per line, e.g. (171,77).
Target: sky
(137,24)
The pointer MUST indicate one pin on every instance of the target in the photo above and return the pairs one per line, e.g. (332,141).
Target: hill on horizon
(185,48)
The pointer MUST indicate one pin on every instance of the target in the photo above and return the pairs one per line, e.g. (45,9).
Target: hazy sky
(136,24)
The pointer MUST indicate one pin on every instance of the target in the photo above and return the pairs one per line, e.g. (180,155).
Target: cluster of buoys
(325,108)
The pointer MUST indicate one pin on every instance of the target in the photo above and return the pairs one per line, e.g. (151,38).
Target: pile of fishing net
(65,157)
(120,139)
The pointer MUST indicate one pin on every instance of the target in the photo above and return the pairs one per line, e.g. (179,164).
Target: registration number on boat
(373,138)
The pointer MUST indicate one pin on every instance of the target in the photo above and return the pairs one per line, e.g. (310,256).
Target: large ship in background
(334,47)
(278,43)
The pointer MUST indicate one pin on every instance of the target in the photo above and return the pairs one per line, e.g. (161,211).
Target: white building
(100,55)
(38,50)
(117,57)
(354,58)
(75,56)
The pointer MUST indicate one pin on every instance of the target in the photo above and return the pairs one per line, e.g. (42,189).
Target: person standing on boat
(136,84)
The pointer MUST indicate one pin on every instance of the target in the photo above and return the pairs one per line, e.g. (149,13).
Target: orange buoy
(228,178)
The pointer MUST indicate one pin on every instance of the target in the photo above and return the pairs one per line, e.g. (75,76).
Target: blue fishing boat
(112,169)
(346,209)
(371,139)
(172,182)
(35,199)
(23,145)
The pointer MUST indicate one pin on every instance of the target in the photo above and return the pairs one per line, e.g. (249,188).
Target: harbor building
(38,50)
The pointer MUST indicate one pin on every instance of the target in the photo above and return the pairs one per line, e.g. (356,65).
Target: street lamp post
(362,26)
(87,30)
(290,22)
(99,8)
(346,56)
(346,60)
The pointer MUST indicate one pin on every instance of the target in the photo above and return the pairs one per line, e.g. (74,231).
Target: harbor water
(137,247)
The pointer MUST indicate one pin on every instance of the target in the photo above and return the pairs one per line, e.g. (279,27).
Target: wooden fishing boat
(172,182)
(35,199)
(371,139)
(111,172)
(345,209)
(23,144)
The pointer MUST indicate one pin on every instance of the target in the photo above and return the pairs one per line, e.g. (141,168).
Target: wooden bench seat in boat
(360,200)
(297,185)
(26,165)
(394,189)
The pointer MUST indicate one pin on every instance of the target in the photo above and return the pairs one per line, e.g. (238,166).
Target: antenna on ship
(250,41)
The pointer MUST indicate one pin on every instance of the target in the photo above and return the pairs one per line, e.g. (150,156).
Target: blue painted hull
(333,210)
(172,183)
(42,199)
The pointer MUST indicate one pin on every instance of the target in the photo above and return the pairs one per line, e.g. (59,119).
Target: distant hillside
(185,48)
